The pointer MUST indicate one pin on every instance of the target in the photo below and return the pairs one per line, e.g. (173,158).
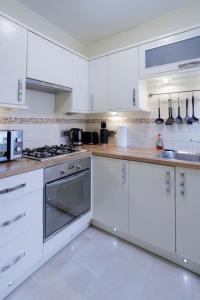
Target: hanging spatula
(179,119)
(159,120)
(170,120)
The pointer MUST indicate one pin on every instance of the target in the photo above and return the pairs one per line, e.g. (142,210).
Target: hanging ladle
(179,119)
(159,120)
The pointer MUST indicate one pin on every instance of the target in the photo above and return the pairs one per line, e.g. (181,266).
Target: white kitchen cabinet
(110,193)
(98,84)
(123,80)
(80,84)
(21,227)
(174,53)
(187,214)
(48,62)
(19,256)
(13,52)
(152,204)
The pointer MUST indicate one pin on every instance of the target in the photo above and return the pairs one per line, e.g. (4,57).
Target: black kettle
(76,136)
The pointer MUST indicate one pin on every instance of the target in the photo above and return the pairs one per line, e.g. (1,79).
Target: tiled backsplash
(142,132)
(41,125)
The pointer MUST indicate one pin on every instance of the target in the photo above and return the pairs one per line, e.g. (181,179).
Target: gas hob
(49,152)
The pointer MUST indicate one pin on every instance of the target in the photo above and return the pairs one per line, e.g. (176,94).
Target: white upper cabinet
(177,52)
(123,80)
(187,214)
(98,84)
(48,62)
(152,204)
(13,51)
(80,85)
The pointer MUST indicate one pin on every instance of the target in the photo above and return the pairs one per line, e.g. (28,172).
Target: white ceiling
(92,20)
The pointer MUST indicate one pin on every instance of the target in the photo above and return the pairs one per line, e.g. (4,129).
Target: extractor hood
(46,87)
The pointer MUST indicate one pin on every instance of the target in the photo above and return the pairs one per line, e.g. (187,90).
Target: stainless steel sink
(180,155)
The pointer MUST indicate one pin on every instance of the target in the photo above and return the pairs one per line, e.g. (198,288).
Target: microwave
(11,144)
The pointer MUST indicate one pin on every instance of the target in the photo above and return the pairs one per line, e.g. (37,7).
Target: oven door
(66,200)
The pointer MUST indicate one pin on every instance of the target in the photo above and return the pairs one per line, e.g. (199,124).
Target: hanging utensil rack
(170,93)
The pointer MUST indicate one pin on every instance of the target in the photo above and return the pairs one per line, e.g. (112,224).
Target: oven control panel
(69,168)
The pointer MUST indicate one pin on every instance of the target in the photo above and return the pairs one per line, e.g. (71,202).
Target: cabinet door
(152,204)
(177,52)
(123,79)
(187,214)
(48,62)
(80,84)
(13,52)
(110,193)
(98,84)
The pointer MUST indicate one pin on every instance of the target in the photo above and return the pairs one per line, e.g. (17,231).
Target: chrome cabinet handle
(91,101)
(15,188)
(134,101)
(167,181)
(20,90)
(12,262)
(192,64)
(123,173)
(18,257)
(182,183)
(15,219)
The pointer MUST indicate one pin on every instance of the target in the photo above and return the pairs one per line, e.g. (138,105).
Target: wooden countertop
(23,165)
(133,154)
(139,154)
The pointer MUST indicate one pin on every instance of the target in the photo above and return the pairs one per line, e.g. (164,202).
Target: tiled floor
(98,266)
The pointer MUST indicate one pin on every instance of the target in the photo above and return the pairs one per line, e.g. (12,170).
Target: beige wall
(176,20)
(20,12)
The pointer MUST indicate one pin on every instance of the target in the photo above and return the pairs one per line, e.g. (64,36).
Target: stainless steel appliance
(11,144)
(76,136)
(49,152)
(67,194)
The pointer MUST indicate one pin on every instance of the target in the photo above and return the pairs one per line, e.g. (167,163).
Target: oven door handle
(69,178)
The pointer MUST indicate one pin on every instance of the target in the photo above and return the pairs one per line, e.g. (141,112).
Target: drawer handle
(18,258)
(19,217)
(13,262)
(15,188)
(5,268)
(15,219)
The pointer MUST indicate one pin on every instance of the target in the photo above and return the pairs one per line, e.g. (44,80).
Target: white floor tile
(98,266)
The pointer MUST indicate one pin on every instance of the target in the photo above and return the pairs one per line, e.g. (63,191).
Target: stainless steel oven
(67,194)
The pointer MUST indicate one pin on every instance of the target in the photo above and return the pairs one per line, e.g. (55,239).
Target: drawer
(19,185)
(19,215)
(18,257)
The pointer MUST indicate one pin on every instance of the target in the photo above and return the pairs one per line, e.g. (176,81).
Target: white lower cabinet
(152,204)
(110,193)
(17,257)
(21,227)
(188,214)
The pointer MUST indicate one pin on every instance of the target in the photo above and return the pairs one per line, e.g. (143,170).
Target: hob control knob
(78,167)
(18,140)
(18,149)
(62,172)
